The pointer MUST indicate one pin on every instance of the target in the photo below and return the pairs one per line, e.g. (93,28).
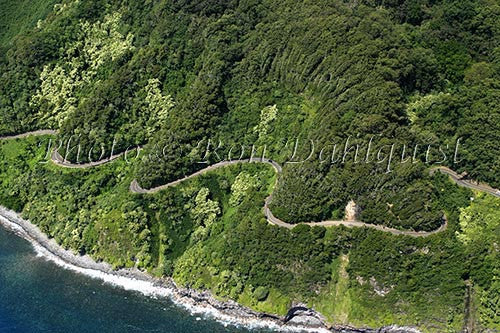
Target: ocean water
(36,295)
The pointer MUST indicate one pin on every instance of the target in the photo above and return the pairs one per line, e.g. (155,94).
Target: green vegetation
(17,17)
(196,233)
(480,233)
(178,76)
(413,73)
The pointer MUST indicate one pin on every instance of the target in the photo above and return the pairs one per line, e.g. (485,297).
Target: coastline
(200,303)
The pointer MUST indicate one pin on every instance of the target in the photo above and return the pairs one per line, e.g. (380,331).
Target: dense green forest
(368,84)
(210,233)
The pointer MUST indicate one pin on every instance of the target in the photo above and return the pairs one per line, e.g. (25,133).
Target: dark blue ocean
(38,296)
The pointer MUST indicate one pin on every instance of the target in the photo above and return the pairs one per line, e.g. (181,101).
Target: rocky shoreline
(300,320)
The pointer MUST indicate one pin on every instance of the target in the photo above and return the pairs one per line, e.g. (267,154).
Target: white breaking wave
(149,289)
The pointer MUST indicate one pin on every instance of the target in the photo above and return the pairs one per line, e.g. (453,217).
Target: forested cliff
(355,99)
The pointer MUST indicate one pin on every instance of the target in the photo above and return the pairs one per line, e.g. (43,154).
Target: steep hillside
(355,99)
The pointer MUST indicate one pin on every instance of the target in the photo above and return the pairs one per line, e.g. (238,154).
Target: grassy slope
(480,233)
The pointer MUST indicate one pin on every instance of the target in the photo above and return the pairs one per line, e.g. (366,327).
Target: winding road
(458,179)
(57,159)
(25,135)
(136,188)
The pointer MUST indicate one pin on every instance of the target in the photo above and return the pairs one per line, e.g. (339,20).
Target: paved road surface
(136,188)
(466,183)
(24,135)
